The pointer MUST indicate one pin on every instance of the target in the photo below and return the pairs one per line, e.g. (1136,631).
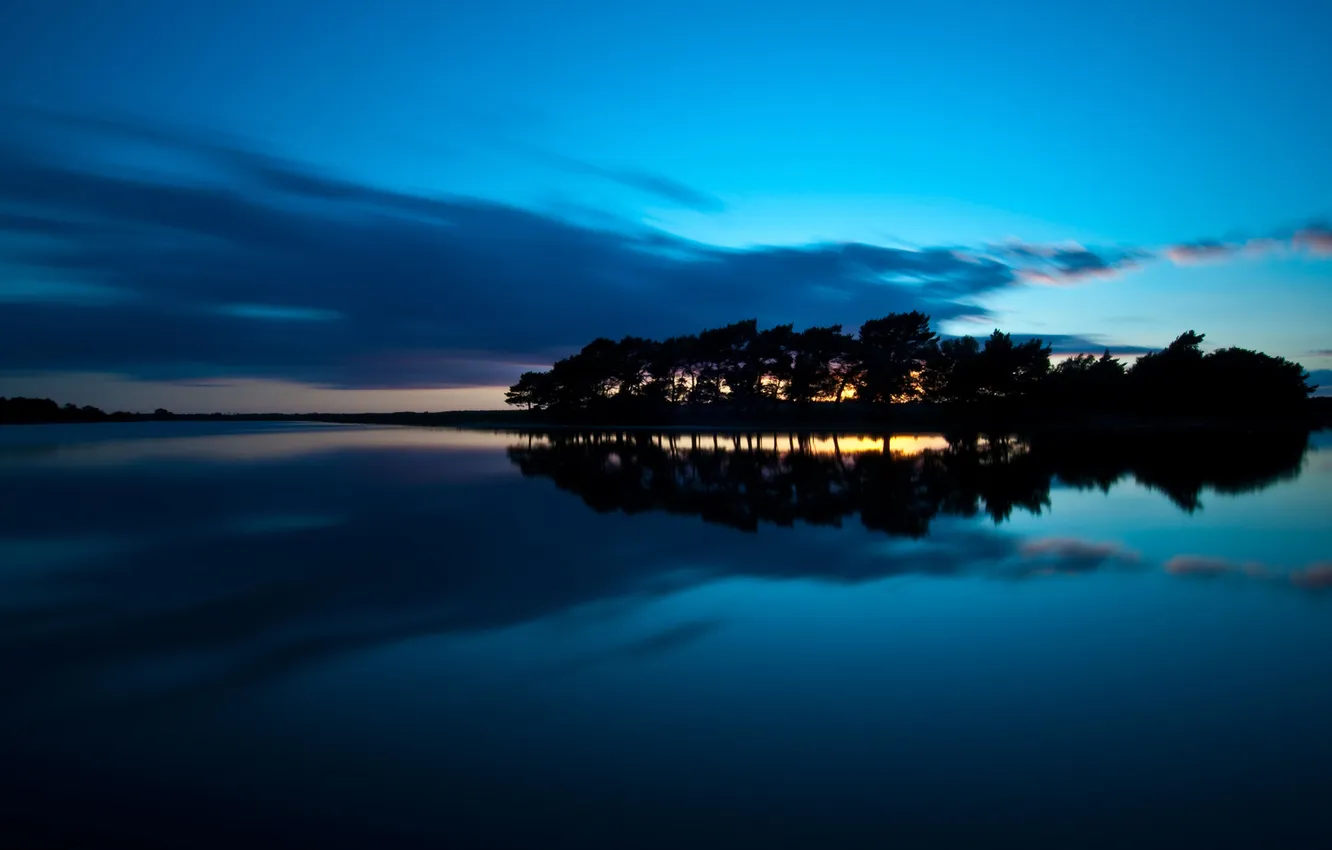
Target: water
(355,636)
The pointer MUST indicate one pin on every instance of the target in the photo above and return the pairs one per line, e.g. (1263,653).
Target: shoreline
(936,423)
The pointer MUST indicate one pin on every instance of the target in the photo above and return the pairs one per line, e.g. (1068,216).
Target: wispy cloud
(278,313)
(659,186)
(1314,239)
(1068,344)
(1191,253)
(663,188)
(268,269)
(1067,264)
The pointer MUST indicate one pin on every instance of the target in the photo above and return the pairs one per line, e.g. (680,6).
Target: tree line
(32,411)
(22,411)
(893,360)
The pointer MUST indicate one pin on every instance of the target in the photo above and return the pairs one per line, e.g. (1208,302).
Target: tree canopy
(898,359)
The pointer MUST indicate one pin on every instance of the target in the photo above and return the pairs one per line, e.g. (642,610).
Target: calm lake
(213,634)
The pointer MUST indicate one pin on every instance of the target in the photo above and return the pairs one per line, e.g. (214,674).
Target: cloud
(1081,344)
(245,265)
(1316,238)
(1068,263)
(267,269)
(1321,378)
(276,313)
(670,638)
(662,188)
(1190,253)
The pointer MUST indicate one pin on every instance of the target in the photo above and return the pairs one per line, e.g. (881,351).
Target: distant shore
(899,418)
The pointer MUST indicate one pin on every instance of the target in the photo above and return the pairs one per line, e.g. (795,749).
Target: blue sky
(289,204)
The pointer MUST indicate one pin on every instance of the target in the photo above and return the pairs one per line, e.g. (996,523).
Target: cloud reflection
(1054,555)
(267,442)
(257,563)
(1316,576)
(1204,566)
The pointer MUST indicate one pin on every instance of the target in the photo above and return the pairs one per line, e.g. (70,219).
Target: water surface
(361,636)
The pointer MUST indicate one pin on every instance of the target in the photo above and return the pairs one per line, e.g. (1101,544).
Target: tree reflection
(742,480)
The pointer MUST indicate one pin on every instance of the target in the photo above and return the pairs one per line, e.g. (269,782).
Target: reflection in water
(78,445)
(742,480)
(1314,576)
(782,442)
(353,623)
(284,562)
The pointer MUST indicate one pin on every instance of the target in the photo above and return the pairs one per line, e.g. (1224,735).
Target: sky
(290,205)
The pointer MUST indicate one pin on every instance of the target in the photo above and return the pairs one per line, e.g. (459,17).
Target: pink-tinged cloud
(1316,576)
(1065,263)
(1316,239)
(1215,251)
(1074,277)
(1018,248)
(1195,253)
(1072,264)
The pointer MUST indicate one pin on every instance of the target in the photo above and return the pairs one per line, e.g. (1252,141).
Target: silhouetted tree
(1010,370)
(23,411)
(955,372)
(1170,379)
(896,358)
(1254,379)
(1087,382)
(534,390)
(817,370)
(734,352)
(894,353)
(1182,379)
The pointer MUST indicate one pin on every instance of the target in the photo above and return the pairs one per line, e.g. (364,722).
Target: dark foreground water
(386,637)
